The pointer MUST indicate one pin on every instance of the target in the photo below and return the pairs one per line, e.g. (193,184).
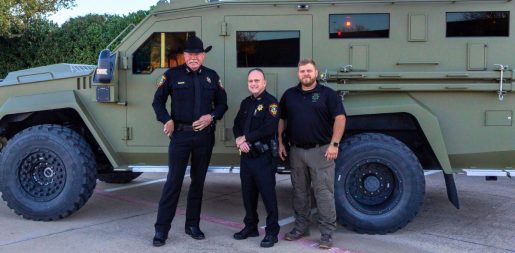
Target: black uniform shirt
(310,114)
(264,118)
(178,83)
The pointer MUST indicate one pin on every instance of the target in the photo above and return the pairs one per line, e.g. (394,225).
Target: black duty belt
(188,128)
(184,127)
(308,146)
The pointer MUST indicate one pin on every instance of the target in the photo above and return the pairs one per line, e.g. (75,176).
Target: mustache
(193,61)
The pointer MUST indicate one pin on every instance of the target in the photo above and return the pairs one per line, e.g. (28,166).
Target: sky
(84,7)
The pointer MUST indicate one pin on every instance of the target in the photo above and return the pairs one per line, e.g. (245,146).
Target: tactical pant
(257,176)
(310,168)
(183,144)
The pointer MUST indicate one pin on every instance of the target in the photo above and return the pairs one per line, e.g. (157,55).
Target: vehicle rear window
(478,24)
(268,48)
(345,26)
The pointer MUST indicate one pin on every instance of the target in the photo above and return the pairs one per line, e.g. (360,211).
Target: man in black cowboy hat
(198,100)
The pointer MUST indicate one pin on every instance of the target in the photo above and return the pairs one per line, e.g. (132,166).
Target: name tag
(181,83)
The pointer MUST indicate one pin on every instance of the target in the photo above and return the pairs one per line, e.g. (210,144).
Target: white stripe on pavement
(291,219)
(138,185)
(134,185)
(431,172)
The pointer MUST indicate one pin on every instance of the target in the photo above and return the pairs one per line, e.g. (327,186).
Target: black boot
(269,241)
(195,233)
(159,239)
(246,232)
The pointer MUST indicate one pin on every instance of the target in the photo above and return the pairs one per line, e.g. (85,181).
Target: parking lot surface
(119,218)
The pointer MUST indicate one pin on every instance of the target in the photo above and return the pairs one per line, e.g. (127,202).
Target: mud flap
(452,193)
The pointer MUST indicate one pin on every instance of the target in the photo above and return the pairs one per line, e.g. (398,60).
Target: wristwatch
(336,144)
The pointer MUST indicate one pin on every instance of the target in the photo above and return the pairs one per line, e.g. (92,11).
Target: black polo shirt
(178,83)
(310,114)
(257,118)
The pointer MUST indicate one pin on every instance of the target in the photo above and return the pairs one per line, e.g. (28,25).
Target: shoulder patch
(273,108)
(221,85)
(161,81)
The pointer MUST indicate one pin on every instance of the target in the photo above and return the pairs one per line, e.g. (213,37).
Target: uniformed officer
(255,130)
(314,119)
(198,100)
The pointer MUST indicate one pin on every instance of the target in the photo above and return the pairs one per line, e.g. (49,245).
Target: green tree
(17,15)
(21,52)
(79,40)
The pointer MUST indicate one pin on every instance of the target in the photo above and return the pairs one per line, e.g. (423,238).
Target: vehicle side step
(489,173)
(212,169)
(164,168)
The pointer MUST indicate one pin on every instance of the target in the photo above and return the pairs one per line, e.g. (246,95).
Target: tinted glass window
(268,49)
(344,26)
(478,24)
(161,50)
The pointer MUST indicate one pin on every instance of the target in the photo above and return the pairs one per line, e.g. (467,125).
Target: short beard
(309,83)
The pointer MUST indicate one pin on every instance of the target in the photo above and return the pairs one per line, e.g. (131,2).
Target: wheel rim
(42,175)
(373,186)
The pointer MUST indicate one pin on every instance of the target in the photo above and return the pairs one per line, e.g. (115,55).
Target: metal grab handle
(120,34)
(501,92)
(35,74)
(323,77)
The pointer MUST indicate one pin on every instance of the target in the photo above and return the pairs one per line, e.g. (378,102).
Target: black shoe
(159,239)
(195,233)
(269,241)
(245,233)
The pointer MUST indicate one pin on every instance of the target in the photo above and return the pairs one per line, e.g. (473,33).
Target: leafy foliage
(79,40)
(17,15)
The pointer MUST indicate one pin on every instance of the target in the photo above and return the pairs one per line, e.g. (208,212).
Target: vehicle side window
(478,24)
(345,26)
(268,48)
(161,50)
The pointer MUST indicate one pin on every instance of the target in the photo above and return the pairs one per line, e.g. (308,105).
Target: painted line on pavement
(215,220)
(431,172)
(138,185)
(291,219)
(134,185)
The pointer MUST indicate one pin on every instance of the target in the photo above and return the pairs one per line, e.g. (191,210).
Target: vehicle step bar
(490,172)
(212,169)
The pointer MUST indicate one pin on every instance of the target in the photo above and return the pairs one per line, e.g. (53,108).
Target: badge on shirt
(208,80)
(273,109)
(260,108)
(161,81)
(315,97)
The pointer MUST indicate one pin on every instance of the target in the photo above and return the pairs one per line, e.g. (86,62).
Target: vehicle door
(158,49)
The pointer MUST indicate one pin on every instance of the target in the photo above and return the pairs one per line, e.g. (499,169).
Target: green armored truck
(427,85)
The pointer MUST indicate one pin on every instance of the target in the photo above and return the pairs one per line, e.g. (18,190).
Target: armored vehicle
(427,85)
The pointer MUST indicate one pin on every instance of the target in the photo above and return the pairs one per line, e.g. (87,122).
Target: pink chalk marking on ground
(216,220)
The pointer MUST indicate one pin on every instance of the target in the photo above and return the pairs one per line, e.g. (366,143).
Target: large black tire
(123,177)
(379,184)
(47,172)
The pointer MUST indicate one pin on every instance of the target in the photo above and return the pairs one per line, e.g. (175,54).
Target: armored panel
(359,57)
(417,28)
(498,118)
(476,53)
